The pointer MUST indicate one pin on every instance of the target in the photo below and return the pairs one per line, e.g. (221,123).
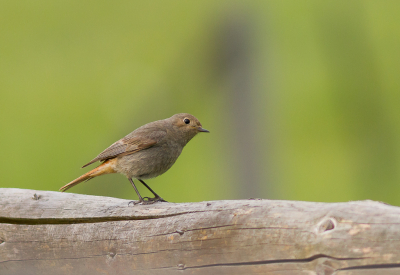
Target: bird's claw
(147,201)
(153,200)
(133,202)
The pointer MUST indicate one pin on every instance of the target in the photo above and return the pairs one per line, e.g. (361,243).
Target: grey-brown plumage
(147,152)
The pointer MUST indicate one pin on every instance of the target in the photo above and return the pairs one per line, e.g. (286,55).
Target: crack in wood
(374,266)
(281,261)
(250,263)
(69,258)
(194,229)
(44,221)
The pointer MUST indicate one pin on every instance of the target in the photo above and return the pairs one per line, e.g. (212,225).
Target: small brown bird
(147,152)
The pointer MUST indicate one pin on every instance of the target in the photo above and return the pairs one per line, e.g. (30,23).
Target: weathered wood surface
(64,233)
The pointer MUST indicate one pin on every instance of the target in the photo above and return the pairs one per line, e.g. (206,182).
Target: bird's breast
(148,163)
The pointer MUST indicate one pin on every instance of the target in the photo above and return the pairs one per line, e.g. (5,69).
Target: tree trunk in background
(235,55)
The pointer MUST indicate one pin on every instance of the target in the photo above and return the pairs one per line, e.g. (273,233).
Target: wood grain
(45,232)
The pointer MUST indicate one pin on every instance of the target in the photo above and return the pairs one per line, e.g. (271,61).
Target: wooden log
(44,232)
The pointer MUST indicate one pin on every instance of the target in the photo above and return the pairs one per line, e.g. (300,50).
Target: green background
(302,98)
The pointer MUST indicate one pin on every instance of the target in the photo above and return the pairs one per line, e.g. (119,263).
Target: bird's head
(186,126)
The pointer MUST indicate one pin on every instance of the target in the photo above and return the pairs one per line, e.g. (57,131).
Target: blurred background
(302,98)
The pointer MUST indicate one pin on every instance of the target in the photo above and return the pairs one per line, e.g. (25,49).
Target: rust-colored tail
(106,167)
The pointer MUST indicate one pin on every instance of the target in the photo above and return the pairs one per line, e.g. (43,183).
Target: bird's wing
(132,143)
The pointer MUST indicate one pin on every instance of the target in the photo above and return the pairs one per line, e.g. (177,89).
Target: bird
(145,153)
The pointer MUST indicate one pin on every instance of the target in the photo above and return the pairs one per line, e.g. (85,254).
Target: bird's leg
(137,192)
(141,199)
(156,197)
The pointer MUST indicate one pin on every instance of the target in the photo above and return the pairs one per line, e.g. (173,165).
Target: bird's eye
(186,120)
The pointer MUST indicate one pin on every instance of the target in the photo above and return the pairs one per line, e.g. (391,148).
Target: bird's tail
(106,167)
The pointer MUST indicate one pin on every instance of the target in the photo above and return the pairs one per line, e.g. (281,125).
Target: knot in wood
(35,197)
(327,225)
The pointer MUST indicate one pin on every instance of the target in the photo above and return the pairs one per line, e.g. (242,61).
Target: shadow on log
(44,232)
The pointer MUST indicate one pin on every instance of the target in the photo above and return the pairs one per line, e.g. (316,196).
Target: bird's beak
(200,129)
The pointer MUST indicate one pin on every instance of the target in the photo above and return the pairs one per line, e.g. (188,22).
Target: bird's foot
(147,201)
(153,200)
